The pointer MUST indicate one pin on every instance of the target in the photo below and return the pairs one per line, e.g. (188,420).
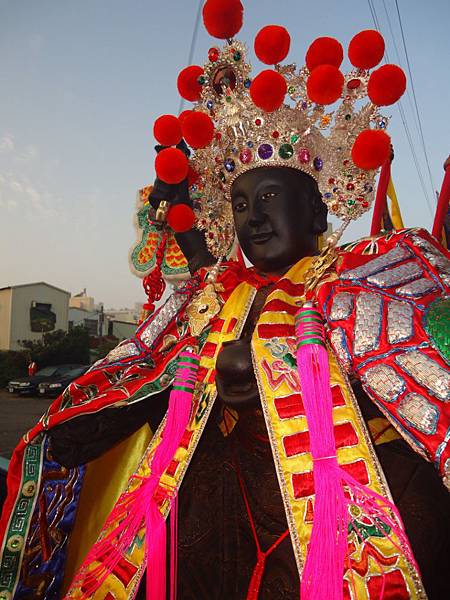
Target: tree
(58,347)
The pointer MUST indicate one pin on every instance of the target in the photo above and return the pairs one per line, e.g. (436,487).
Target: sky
(81,84)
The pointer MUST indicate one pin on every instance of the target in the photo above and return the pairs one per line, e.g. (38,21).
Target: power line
(404,120)
(414,96)
(193,42)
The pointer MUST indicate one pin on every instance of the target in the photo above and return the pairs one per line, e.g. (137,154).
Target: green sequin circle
(437,325)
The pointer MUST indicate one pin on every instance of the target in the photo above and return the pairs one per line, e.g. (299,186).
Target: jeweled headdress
(279,118)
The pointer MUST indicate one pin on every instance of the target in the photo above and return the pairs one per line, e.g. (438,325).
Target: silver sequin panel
(342,306)
(426,372)
(385,382)
(435,257)
(417,288)
(399,321)
(401,274)
(339,342)
(419,413)
(122,351)
(163,318)
(378,264)
(369,314)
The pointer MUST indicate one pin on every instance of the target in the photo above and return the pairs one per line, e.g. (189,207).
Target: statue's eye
(269,196)
(240,206)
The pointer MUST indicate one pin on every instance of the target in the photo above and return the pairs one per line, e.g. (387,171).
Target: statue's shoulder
(403,257)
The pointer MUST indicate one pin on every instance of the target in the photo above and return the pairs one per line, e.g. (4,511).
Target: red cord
(154,284)
(258,571)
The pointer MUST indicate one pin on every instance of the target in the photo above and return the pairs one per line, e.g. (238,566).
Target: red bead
(350,186)
(213,54)
(275,134)
(258,122)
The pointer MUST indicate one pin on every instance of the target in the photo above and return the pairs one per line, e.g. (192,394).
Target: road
(18,414)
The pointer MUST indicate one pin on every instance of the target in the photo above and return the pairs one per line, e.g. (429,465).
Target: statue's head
(278,215)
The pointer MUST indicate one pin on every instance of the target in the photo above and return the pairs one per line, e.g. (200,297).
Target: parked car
(29,385)
(58,383)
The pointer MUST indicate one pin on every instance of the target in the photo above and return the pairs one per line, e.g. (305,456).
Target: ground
(18,414)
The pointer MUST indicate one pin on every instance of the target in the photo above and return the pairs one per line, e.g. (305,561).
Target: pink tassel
(139,506)
(335,490)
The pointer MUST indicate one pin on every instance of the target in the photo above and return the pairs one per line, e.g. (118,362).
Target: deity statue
(272,431)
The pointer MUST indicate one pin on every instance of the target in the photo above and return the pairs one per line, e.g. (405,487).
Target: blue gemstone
(304,105)
(327,195)
(210,104)
(229,165)
(318,163)
(234,150)
(368,187)
(250,144)
(265,151)
(194,188)
(247,83)
(382,124)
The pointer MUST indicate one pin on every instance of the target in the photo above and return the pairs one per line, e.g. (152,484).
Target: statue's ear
(320,216)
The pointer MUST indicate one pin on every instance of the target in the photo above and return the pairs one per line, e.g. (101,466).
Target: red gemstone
(365,203)
(275,134)
(258,122)
(353,84)
(245,156)
(350,186)
(332,181)
(303,155)
(218,136)
(213,54)
(345,163)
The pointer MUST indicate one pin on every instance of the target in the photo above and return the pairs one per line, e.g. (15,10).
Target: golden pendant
(204,307)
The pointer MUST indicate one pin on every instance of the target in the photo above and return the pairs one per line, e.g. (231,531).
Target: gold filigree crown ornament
(278,118)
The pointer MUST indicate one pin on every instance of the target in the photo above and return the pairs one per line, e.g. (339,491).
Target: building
(85,318)
(127,315)
(28,311)
(82,300)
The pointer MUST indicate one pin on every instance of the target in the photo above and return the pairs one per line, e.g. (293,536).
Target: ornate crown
(279,118)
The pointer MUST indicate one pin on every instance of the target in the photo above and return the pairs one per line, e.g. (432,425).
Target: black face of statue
(278,214)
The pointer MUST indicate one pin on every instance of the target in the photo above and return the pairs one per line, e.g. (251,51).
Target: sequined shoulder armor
(387,317)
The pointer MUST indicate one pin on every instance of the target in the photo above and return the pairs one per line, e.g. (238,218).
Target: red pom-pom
(268,90)
(171,165)
(324,85)
(180,218)
(371,149)
(167,130)
(223,18)
(183,115)
(198,129)
(366,49)
(272,44)
(386,85)
(324,51)
(187,83)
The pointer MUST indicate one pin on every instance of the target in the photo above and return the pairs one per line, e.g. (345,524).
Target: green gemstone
(291,89)
(294,138)
(237,56)
(201,80)
(222,176)
(350,202)
(286,151)
(228,98)
(437,325)
(348,117)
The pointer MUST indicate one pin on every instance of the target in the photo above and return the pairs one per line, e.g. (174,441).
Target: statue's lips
(261,238)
